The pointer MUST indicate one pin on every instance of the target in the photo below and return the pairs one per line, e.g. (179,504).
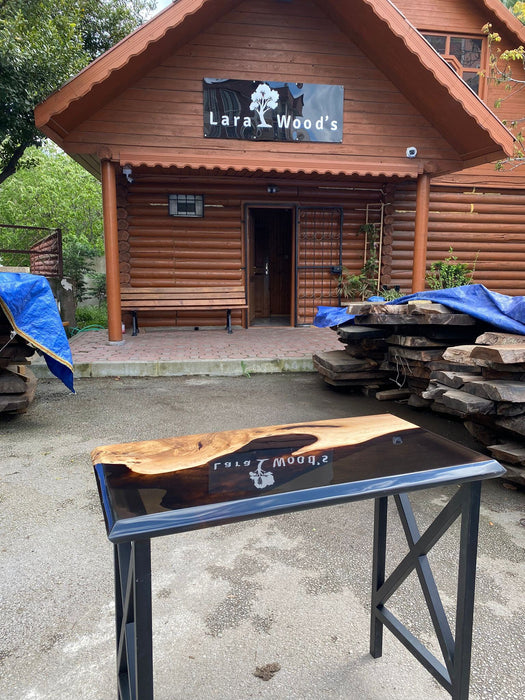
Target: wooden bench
(136,299)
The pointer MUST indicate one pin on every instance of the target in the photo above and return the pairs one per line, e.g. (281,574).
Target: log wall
(161,250)
(485,226)
(162,112)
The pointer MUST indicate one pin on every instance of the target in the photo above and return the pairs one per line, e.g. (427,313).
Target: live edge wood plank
(178,453)
(494,338)
(502,354)
(413,319)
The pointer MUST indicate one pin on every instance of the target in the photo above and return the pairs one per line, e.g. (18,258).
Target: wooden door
(270,263)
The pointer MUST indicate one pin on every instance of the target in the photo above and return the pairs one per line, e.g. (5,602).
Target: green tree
(500,73)
(43,43)
(49,189)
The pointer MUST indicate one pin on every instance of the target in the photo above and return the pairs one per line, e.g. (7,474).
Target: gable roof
(423,75)
(504,15)
(131,57)
(375,26)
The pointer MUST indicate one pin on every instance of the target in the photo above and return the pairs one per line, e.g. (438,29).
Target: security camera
(411,152)
(127,171)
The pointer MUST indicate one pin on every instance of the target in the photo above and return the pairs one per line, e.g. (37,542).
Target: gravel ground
(291,589)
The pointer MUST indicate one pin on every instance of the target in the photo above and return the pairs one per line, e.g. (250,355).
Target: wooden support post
(109,206)
(421,233)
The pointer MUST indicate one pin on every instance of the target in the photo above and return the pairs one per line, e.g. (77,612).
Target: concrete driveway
(292,589)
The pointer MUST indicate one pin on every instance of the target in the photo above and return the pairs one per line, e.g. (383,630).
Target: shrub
(91,316)
(78,262)
(365,283)
(391,293)
(450,273)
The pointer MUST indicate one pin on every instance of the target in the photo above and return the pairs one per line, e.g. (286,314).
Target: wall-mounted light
(272,189)
(126,170)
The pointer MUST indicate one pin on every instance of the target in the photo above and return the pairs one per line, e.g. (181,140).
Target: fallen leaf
(268,671)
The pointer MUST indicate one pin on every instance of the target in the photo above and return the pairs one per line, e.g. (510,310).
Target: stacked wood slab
(359,364)
(395,347)
(17,382)
(442,360)
(489,397)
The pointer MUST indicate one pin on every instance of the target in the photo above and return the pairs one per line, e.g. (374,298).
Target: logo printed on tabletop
(263,469)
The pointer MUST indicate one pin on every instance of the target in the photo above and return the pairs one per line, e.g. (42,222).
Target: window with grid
(186,205)
(463,53)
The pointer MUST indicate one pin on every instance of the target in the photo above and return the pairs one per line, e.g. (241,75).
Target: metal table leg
(378,572)
(455,675)
(133,620)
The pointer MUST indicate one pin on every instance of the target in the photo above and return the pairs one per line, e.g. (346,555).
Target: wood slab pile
(359,364)
(395,347)
(489,397)
(17,382)
(439,359)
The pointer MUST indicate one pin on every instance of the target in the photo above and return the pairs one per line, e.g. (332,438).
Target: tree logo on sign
(263,99)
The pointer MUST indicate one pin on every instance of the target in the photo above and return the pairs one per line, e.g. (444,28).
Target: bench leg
(229,320)
(135,323)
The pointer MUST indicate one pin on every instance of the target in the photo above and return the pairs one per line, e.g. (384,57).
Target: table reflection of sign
(267,470)
(257,110)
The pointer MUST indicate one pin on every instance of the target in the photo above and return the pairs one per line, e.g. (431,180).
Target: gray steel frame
(455,675)
(134,615)
(133,620)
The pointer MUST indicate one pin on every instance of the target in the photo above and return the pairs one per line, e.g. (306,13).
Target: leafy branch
(42,44)
(500,73)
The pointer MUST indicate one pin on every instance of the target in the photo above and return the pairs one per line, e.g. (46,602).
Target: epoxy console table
(161,487)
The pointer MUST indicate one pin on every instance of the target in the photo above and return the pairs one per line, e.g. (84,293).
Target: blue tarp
(501,311)
(28,302)
(328,316)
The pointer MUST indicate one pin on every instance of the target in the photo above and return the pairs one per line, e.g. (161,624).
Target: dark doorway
(270,265)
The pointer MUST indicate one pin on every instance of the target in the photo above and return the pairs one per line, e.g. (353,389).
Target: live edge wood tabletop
(160,487)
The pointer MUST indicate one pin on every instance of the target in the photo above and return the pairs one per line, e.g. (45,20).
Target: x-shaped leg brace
(454,676)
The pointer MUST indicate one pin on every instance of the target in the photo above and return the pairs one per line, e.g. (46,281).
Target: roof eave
(386,17)
(131,47)
(504,15)
(496,142)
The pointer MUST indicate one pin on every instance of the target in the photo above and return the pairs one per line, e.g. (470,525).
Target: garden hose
(93,327)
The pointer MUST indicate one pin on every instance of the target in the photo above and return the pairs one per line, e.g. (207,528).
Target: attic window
(186,205)
(463,53)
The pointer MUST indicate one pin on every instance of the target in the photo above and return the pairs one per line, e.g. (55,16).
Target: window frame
(175,202)
(451,59)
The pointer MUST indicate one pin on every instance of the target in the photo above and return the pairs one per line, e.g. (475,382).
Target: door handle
(267,268)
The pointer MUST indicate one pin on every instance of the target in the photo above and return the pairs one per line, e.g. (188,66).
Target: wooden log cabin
(245,143)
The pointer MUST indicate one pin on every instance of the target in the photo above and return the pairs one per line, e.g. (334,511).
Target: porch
(182,352)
